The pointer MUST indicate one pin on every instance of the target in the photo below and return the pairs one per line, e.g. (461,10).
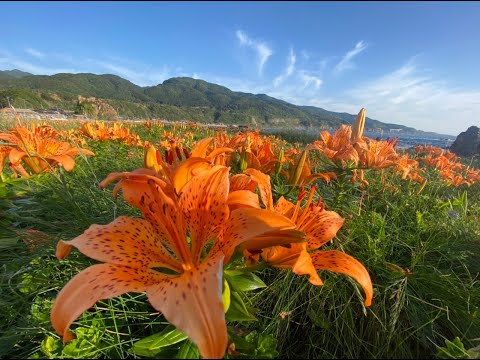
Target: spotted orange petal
(284,207)
(342,263)
(125,241)
(252,160)
(193,303)
(322,226)
(98,282)
(204,204)
(156,200)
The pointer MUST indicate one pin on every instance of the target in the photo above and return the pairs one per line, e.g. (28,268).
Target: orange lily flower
(405,165)
(320,226)
(197,160)
(337,147)
(175,233)
(377,154)
(39,150)
(96,131)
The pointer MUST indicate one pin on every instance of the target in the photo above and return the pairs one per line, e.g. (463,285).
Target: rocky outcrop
(95,108)
(467,143)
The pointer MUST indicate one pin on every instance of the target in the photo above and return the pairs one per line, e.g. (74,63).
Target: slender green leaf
(245,282)
(153,344)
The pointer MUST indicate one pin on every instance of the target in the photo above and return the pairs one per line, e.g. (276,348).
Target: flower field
(154,240)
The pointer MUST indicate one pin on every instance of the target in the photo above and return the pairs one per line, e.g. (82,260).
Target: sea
(406,141)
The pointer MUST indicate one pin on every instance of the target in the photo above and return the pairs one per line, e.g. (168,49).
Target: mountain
(179,98)
(13,74)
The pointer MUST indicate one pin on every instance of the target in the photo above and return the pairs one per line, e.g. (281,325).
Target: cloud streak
(406,96)
(261,48)
(35,53)
(288,70)
(346,62)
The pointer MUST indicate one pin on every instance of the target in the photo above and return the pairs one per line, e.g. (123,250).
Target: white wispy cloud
(288,69)
(409,97)
(309,79)
(262,49)
(346,62)
(35,53)
(11,62)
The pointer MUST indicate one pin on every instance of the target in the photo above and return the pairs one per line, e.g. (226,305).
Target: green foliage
(155,344)
(254,346)
(453,350)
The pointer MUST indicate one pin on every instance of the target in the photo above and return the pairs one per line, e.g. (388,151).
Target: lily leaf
(152,345)
(238,310)
(244,282)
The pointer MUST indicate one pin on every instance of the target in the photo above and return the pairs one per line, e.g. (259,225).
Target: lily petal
(125,241)
(264,186)
(304,266)
(284,207)
(294,257)
(272,239)
(98,282)
(249,223)
(200,149)
(67,161)
(342,263)
(16,155)
(242,182)
(186,171)
(322,227)
(219,151)
(154,198)
(193,303)
(204,204)
(243,198)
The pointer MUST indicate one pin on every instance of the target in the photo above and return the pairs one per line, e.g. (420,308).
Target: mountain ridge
(177,98)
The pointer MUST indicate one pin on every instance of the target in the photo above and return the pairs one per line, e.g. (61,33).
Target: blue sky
(411,63)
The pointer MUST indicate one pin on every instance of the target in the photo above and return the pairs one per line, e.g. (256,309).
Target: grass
(424,263)
(422,250)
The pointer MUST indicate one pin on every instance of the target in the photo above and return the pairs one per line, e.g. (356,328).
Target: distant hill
(13,74)
(179,98)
